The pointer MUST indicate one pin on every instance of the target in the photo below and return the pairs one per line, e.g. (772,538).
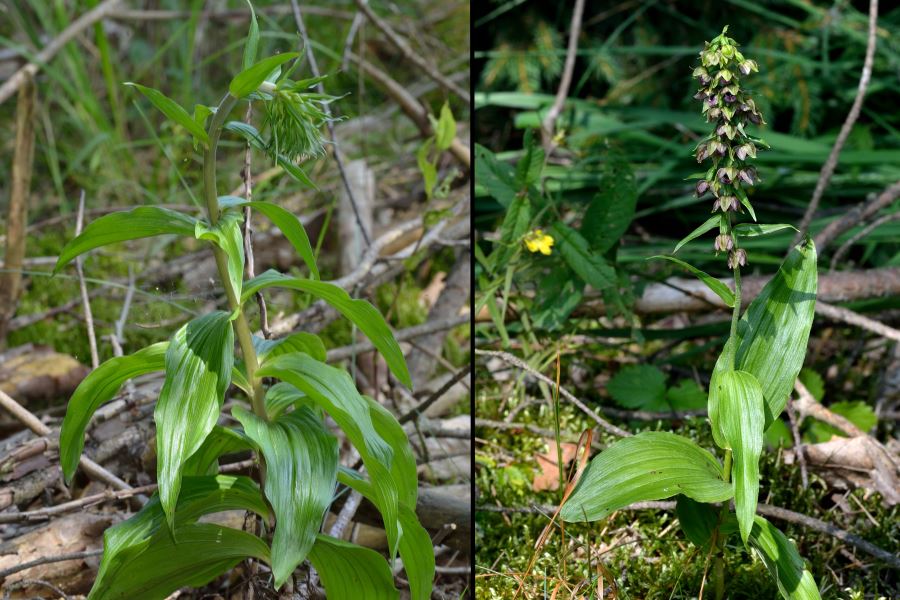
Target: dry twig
(85,300)
(846,315)
(845,247)
(856,215)
(548,126)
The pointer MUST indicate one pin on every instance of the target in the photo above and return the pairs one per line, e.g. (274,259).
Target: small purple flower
(714,113)
(702,152)
(705,79)
(745,68)
(723,175)
(723,243)
(711,100)
(755,118)
(741,152)
(737,258)
(746,176)
(701,95)
(729,97)
(702,187)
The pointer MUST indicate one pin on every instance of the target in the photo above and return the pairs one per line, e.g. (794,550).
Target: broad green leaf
(199,361)
(686,395)
(252,44)
(859,413)
(333,390)
(611,211)
(248,81)
(360,312)
(249,133)
(559,294)
(740,416)
(639,386)
(284,220)
(778,434)
(515,224)
(779,318)
(497,177)
(301,472)
(755,229)
(403,468)
(282,396)
(416,549)
(529,167)
(653,465)
(698,521)
(711,223)
(446,128)
(589,265)
(226,234)
(784,563)
(95,390)
(719,288)
(194,556)
(351,572)
(140,222)
(173,111)
(814,383)
(301,341)
(219,442)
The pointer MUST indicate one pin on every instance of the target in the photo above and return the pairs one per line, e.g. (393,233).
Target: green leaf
(252,44)
(226,234)
(333,390)
(711,223)
(125,542)
(301,341)
(173,111)
(427,168)
(445,131)
(611,211)
(296,173)
(814,383)
(779,317)
(403,467)
(162,565)
(497,177)
(301,472)
(778,434)
(590,266)
(515,224)
(284,220)
(282,396)
(351,572)
(529,167)
(784,563)
(859,413)
(698,521)
(248,81)
(719,288)
(686,395)
(360,312)
(219,442)
(653,465)
(740,416)
(199,361)
(140,222)
(249,133)
(94,391)
(755,229)
(640,387)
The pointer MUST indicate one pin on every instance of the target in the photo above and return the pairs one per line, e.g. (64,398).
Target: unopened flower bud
(723,243)
(701,95)
(746,176)
(737,258)
(702,187)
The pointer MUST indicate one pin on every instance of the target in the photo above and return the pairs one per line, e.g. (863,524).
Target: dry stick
(59,509)
(49,559)
(417,411)
(856,215)
(247,176)
(840,313)
(807,406)
(547,433)
(830,164)
(517,362)
(409,54)
(17,220)
(401,336)
(358,20)
(85,301)
(30,70)
(314,67)
(798,443)
(845,247)
(346,515)
(117,339)
(548,126)
(34,424)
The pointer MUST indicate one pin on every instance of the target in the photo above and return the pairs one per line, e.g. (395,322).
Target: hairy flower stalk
(728,146)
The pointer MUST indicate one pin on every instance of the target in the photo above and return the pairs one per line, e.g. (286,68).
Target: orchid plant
(288,386)
(754,375)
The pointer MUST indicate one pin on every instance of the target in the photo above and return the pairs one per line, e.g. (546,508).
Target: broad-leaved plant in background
(754,374)
(288,384)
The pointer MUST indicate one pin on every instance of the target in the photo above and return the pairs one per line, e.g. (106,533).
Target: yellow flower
(538,241)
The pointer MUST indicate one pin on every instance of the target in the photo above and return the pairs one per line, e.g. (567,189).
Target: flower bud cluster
(728,146)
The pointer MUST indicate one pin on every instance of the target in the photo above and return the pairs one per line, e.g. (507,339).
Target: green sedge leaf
(173,111)
(653,465)
(219,442)
(226,234)
(755,229)
(445,131)
(783,562)
(780,317)
(719,288)
(95,390)
(251,46)
(351,572)
(137,223)
(711,223)
(199,362)
(333,390)
(195,555)
(249,80)
(740,415)
(286,221)
(301,472)
(360,312)
(590,266)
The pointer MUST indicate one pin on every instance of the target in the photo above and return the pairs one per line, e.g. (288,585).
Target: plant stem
(726,469)
(245,337)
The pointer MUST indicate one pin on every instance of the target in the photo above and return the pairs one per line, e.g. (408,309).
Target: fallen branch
(845,247)
(548,126)
(49,559)
(420,408)
(839,313)
(856,215)
(831,163)
(82,286)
